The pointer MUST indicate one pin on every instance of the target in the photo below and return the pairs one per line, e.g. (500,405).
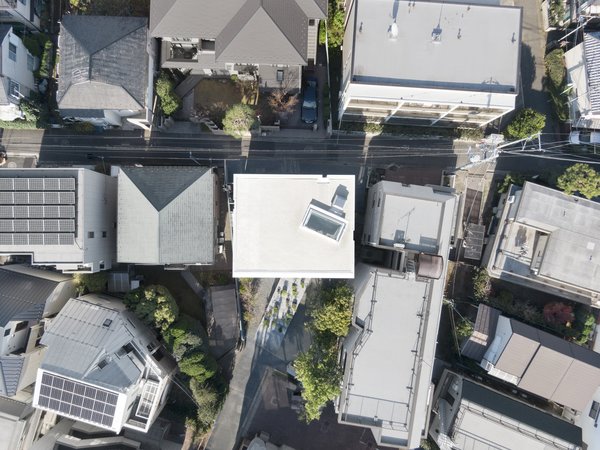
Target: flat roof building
(296,226)
(412,62)
(64,218)
(547,240)
(398,303)
(103,366)
(469,415)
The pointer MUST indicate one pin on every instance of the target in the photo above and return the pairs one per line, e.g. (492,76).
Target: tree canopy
(335,313)
(169,100)
(90,282)
(153,305)
(238,119)
(526,123)
(580,179)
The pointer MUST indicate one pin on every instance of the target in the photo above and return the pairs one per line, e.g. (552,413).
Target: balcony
(183,52)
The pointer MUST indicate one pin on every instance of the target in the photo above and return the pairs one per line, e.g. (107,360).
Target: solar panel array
(77,400)
(37,211)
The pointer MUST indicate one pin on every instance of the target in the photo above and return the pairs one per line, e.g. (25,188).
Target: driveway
(533,48)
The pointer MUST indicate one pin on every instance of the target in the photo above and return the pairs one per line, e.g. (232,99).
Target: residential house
(103,366)
(583,78)
(470,415)
(534,360)
(587,419)
(167,215)
(27,297)
(268,40)
(15,421)
(398,303)
(547,240)
(16,73)
(26,13)
(60,217)
(104,75)
(293,226)
(412,62)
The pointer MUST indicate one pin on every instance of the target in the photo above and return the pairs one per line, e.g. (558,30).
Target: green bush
(169,100)
(19,124)
(209,402)
(469,134)
(556,12)
(46,68)
(83,127)
(239,119)
(335,312)
(526,123)
(91,282)
(556,82)
(153,305)
(510,178)
(482,286)
(199,366)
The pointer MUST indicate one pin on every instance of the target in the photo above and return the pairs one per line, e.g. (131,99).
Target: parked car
(584,137)
(309,104)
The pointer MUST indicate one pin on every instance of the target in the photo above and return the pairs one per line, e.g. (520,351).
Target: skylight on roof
(324,222)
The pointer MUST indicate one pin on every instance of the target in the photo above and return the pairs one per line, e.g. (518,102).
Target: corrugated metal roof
(521,412)
(93,329)
(100,49)
(176,206)
(11,367)
(23,296)
(591,46)
(483,333)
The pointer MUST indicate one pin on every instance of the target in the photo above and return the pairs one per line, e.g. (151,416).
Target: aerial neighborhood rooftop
(299,224)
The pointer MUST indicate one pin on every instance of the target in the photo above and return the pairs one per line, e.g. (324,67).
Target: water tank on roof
(430,266)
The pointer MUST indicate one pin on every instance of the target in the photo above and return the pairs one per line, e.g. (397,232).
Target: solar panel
(77,400)
(44,206)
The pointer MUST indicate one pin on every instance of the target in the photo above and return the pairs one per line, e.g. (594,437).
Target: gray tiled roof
(11,367)
(591,46)
(103,62)
(166,215)
(521,412)
(78,341)
(255,31)
(22,296)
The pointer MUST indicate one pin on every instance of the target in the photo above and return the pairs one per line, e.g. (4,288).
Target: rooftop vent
(107,323)
(436,35)
(393,31)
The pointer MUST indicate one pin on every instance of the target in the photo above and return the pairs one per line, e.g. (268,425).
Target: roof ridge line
(279,28)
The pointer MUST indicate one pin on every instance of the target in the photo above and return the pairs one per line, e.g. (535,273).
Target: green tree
(525,124)
(580,179)
(335,312)
(199,366)
(318,371)
(169,100)
(90,282)
(464,329)
(510,178)
(238,119)
(154,305)
(334,28)
(209,402)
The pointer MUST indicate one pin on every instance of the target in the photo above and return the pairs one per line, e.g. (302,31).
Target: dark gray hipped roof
(23,297)
(161,185)
(591,46)
(103,63)
(255,31)
(166,215)
(10,373)
(521,412)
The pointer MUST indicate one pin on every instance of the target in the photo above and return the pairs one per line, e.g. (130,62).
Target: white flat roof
(269,239)
(478,46)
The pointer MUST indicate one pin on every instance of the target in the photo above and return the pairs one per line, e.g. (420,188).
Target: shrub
(83,127)
(470,134)
(556,12)
(335,26)
(169,100)
(555,67)
(526,123)
(153,305)
(198,365)
(91,282)
(45,70)
(510,178)
(18,124)
(335,312)
(464,329)
(209,402)
(239,119)
(482,286)
(557,313)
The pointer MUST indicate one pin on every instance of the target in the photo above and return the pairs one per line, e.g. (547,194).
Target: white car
(584,137)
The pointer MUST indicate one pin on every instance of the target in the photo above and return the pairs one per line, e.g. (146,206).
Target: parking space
(294,120)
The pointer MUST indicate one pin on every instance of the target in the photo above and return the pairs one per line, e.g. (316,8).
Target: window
(324,222)
(30,62)
(21,326)
(595,409)
(90,234)
(311,22)
(7,332)
(280,75)
(104,234)
(379,202)
(107,323)
(12,51)
(14,89)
